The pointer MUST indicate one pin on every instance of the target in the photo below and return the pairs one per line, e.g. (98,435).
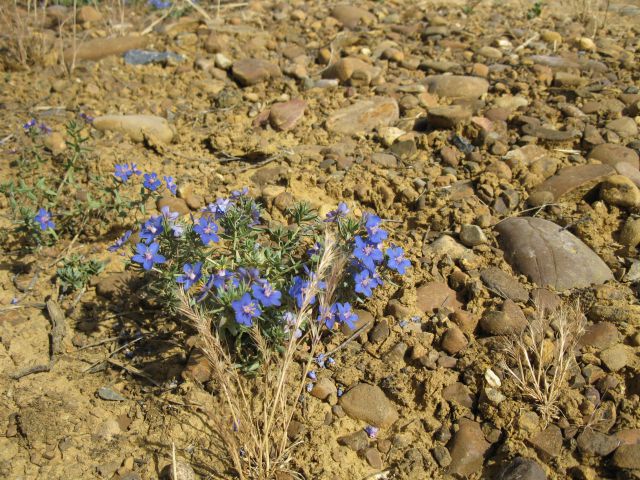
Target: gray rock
(549,255)
(592,443)
(369,403)
(522,469)
(364,116)
(627,457)
(472,235)
(356,441)
(106,393)
(145,57)
(467,449)
(548,134)
(615,358)
(547,443)
(630,233)
(503,283)
(457,86)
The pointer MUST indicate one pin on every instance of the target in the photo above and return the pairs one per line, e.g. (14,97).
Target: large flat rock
(364,116)
(549,255)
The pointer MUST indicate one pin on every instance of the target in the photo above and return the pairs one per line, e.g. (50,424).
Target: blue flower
(29,125)
(249,275)
(246,308)
(122,172)
(120,242)
(368,253)
(312,375)
(86,118)
(151,181)
(44,129)
(207,229)
(315,249)
(340,212)
(171,184)
(299,290)
(147,255)
(240,193)
(289,320)
(219,208)
(396,260)
(371,431)
(151,229)
(374,232)
(346,315)
(43,217)
(266,295)
(133,169)
(327,315)
(192,273)
(255,216)
(366,281)
(168,215)
(160,4)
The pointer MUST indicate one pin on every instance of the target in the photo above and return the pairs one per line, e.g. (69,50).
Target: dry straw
(257,411)
(540,358)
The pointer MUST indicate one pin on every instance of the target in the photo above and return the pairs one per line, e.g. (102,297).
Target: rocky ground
(501,146)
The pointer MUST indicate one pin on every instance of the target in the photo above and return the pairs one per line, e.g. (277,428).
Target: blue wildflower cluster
(248,274)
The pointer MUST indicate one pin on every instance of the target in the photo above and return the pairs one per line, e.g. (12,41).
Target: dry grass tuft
(259,410)
(540,358)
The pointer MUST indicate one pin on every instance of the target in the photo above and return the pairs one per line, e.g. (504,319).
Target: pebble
(175,204)
(434,295)
(448,116)
(574,181)
(369,403)
(352,71)
(55,143)
(611,154)
(454,341)
(509,321)
(87,13)
(457,86)
(600,336)
(364,116)
(472,236)
(184,471)
(627,457)
(547,443)
(351,16)
(465,320)
(106,393)
(222,61)
(146,57)
(620,191)
(286,115)
(442,456)
(324,388)
(467,449)
(593,443)
(522,469)
(373,458)
(504,284)
(98,48)
(137,127)
(356,441)
(630,233)
(549,255)
(251,71)
(626,127)
(615,358)
(458,393)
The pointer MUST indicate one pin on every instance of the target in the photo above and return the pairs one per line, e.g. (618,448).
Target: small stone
(355,441)
(284,116)
(87,13)
(585,43)
(522,469)
(529,422)
(434,295)
(184,471)
(547,443)
(457,86)
(98,48)
(493,396)
(593,443)
(509,321)
(630,233)
(106,393)
(137,127)
(352,71)
(55,143)
(620,191)
(611,154)
(600,335)
(615,358)
(369,403)
(454,341)
(465,320)
(467,449)
(448,116)
(364,116)
(373,458)
(551,37)
(175,204)
(625,127)
(222,61)
(351,16)
(442,456)
(459,393)
(380,332)
(251,71)
(627,457)
(472,235)
(324,388)
(504,284)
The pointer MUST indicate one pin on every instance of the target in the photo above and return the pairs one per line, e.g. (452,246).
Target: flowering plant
(234,267)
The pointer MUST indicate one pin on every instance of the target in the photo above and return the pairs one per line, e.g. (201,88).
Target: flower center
(148,256)
(249,309)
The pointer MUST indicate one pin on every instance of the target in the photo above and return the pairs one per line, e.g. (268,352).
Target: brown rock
(611,154)
(369,403)
(620,191)
(284,116)
(457,86)
(467,449)
(356,441)
(434,295)
(138,127)
(87,13)
(627,457)
(592,443)
(550,255)
(254,70)
(354,69)
(448,116)
(459,393)
(576,181)
(175,205)
(465,320)
(547,443)
(324,388)
(615,358)
(98,48)
(454,341)
(373,458)
(364,116)
(504,284)
(351,16)
(509,321)
(600,336)
(630,233)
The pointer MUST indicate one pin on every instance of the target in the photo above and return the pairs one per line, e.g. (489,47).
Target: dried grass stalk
(258,411)
(540,358)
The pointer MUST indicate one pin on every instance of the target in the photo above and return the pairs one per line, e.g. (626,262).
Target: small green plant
(76,271)
(535,11)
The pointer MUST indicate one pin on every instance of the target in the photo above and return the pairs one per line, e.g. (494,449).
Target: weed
(540,358)
(535,11)
(76,271)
